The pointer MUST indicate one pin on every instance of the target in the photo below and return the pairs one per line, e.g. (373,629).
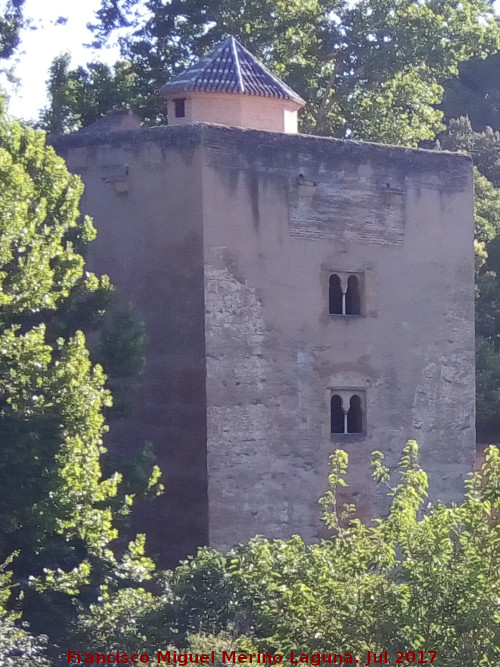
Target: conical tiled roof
(230,68)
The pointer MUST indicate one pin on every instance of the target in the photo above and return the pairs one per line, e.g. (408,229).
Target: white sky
(39,47)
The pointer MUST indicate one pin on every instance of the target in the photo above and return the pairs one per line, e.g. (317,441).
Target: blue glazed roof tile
(230,68)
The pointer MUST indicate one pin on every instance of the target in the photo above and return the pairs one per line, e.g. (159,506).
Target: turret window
(180,107)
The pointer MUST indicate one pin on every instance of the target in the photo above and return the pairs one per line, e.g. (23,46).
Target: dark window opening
(180,107)
(337,415)
(346,421)
(355,415)
(335,296)
(353,297)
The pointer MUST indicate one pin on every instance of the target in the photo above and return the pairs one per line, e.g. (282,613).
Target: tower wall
(143,190)
(225,240)
(281,214)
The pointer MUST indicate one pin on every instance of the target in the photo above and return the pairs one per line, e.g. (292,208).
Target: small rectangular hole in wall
(180,107)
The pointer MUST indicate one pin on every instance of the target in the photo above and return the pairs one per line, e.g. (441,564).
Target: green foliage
(121,346)
(39,204)
(141,476)
(203,642)
(401,110)
(475,93)
(112,623)
(369,70)
(487,239)
(11,22)
(483,147)
(486,208)
(488,387)
(120,349)
(79,97)
(17,646)
(56,509)
(409,581)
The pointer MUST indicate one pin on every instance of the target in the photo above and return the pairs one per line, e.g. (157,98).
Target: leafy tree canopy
(56,509)
(17,646)
(11,21)
(475,93)
(79,97)
(483,147)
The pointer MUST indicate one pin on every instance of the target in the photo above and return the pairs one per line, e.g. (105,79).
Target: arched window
(348,419)
(353,297)
(335,295)
(337,415)
(355,415)
(344,293)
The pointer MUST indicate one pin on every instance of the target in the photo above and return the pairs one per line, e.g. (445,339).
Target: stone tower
(300,294)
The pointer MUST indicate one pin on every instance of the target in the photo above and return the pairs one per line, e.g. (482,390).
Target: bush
(407,582)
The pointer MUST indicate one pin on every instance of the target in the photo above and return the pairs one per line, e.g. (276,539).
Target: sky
(39,47)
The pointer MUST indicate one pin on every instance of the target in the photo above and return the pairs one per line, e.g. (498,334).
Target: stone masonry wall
(224,240)
(143,190)
(280,215)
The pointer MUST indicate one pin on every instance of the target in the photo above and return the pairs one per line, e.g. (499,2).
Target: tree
(368,70)
(17,646)
(57,118)
(487,388)
(475,93)
(81,96)
(56,510)
(483,147)
(411,581)
(11,21)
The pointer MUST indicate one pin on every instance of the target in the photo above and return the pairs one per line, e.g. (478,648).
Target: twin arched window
(348,420)
(346,302)
(347,407)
